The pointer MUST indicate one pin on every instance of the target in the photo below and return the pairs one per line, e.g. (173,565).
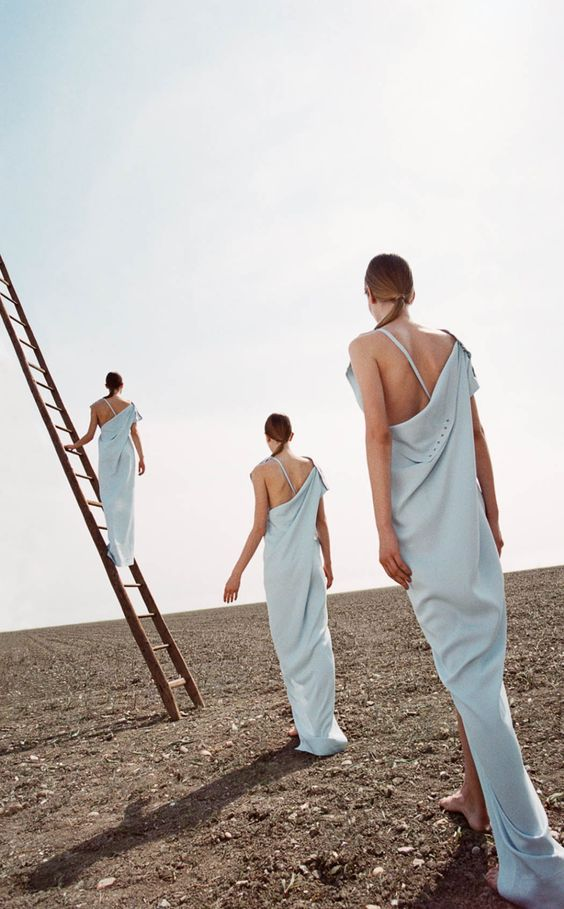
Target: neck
(381,310)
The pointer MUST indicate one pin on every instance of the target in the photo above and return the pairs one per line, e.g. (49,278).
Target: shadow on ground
(100,732)
(462,881)
(181,816)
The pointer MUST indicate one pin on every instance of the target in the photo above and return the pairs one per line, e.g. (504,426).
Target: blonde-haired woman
(289,514)
(440,539)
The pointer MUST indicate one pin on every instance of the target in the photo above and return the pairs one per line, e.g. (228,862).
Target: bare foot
(474,810)
(293,732)
(491,878)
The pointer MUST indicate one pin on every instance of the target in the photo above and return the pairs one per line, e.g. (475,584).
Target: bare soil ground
(218,811)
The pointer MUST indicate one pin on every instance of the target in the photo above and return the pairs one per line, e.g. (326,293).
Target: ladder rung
(156,638)
(9,299)
(176,683)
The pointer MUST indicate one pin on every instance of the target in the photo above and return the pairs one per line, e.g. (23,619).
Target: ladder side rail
(163,684)
(166,636)
(41,406)
(141,639)
(31,382)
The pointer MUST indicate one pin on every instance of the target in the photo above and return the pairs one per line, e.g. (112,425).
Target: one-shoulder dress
(457,594)
(297,613)
(116,473)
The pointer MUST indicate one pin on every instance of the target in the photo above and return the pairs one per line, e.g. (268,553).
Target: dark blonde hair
(279,428)
(389,279)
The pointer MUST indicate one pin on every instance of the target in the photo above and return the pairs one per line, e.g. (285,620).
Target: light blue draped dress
(297,613)
(116,473)
(457,594)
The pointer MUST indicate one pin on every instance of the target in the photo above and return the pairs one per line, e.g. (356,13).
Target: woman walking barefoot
(440,539)
(117,420)
(289,514)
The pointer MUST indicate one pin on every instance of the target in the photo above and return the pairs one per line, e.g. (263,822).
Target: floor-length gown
(458,598)
(116,473)
(297,614)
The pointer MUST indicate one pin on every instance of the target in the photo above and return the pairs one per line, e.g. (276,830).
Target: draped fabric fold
(116,473)
(457,594)
(297,613)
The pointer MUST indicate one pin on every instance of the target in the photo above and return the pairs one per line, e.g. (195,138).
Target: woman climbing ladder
(117,420)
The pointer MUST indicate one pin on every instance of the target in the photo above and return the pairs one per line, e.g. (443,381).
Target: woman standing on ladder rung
(117,420)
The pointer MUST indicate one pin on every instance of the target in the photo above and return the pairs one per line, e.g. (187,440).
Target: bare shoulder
(262,470)
(365,343)
(363,338)
(369,346)
(427,331)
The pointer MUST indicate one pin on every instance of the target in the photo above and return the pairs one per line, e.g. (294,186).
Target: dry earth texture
(106,803)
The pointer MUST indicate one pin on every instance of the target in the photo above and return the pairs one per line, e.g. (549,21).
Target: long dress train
(297,614)
(116,473)
(458,598)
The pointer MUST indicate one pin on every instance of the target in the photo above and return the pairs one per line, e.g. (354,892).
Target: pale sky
(191,193)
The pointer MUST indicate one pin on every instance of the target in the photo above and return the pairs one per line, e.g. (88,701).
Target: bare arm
(325,543)
(378,456)
(251,545)
(138,448)
(90,433)
(484,472)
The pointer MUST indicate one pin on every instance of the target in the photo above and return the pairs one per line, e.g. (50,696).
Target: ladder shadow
(71,737)
(179,817)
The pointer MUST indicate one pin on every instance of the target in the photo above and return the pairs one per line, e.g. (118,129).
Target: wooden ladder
(40,381)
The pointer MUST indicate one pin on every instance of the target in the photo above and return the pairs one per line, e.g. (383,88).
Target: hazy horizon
(253,604)
(191,194)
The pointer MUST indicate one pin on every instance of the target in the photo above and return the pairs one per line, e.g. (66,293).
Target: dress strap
(408,357)
(110,406)
(284,471)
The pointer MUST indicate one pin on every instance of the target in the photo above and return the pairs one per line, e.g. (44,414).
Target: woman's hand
(391,560)
(141,466)
(72,446)
(328,572)
(232,588)
(498,539)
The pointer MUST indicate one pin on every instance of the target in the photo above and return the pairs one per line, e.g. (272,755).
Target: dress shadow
(180,816)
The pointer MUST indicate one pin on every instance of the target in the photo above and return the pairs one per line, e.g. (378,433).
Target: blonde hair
(389,279)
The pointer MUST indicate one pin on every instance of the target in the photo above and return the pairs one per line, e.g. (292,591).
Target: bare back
(404,393)
(277,485)
(107,408)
